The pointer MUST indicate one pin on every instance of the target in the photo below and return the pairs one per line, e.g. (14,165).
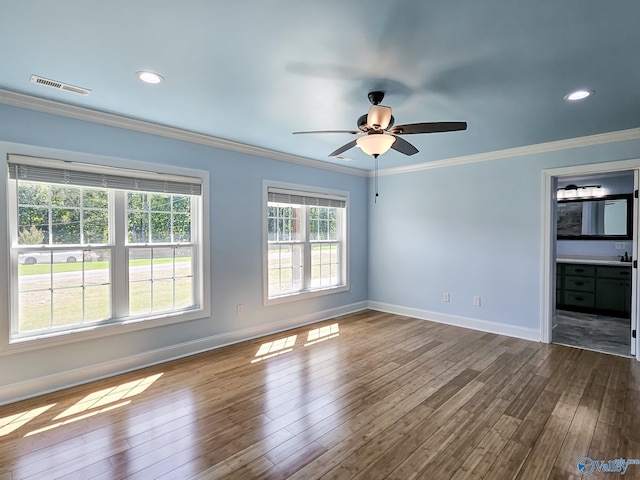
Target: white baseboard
(50,383)
(458,321)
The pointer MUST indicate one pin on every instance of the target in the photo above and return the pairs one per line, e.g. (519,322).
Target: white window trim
(292,297)
(202,235)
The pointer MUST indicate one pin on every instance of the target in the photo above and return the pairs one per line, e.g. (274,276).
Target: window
(306,246)
(95,246)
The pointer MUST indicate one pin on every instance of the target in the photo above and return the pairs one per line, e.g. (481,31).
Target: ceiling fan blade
(343,148)
(430,127)
(402,146)
(352,132)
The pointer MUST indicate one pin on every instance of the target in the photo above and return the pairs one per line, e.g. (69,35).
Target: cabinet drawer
(581,284)
(614,272)
(580,270)
(579,299)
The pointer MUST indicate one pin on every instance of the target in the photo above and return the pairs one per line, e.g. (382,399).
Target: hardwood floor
(364,396)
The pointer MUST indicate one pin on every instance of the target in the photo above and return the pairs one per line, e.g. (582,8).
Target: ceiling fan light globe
(376,144)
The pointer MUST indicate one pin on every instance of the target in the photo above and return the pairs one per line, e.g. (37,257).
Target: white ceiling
(255,71)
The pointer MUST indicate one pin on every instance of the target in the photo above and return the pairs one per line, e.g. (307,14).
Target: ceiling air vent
(59,85)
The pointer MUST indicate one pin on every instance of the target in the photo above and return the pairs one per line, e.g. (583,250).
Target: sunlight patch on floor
(109,395)
(13,422)
(323,333)
(75,419)
(97,402)
(274,348)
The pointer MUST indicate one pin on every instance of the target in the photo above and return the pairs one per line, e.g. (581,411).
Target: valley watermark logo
(587,465)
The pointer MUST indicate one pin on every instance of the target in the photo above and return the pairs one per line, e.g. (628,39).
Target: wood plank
(390,397)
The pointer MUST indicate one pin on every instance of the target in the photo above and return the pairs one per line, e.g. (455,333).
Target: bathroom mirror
(609,217)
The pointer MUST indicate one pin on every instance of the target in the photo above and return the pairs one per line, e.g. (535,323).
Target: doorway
(591,220)
(594,252)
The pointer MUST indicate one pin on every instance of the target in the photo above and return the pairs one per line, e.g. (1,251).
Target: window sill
(47,340)
(292,297)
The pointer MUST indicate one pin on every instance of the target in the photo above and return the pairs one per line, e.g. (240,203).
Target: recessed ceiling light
(578,95)
(149,77)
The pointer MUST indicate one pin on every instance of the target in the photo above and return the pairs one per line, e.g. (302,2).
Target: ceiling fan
(378,133)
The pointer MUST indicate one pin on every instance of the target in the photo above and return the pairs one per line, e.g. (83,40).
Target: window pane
(285,224)
(97,267)
(34,292)
(139,298)
(96,226)
(30,193)
(160,227)
(67,274)
(184,262)
(95,198)
(322,223)
(67,306)
(181,227)
(286,273)
(162,295)
(65,224)
(34,310)
(65,196)
(137,201)
(272,231)
(184,292)
(97,303)
(33,226)
(181,204)
(324,265)
(138,227)
(161,279)
(160,202)
(162,263)
(33,275)
(139,264)
(73,290)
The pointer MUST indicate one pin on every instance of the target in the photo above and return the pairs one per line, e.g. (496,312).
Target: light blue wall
(469,230)
(236,236)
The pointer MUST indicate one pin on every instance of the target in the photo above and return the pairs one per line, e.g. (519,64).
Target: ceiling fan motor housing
(376,97)
(363,123)
(379,117)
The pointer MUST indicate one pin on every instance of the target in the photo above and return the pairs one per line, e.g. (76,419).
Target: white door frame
(548,240)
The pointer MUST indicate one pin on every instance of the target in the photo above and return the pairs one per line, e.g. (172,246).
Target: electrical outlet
(240,309)
(620,245)
(446,297)
(476,301)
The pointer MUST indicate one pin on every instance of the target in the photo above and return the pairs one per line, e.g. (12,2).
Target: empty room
(314,240)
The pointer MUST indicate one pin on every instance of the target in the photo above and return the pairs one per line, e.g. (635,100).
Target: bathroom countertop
(593,260)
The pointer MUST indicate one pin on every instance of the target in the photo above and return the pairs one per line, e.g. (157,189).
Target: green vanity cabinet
(578,286)
(613,289)
(604,289)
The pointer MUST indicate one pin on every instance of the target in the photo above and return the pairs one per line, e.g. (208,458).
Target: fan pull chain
(375,200)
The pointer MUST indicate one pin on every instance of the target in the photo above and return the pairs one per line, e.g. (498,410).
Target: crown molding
(38,104)
(578,142)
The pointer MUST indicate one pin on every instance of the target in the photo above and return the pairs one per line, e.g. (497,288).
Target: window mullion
(195,236)
(13,216)
(50,213)
(307,247)
(119,260)
(83,240)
